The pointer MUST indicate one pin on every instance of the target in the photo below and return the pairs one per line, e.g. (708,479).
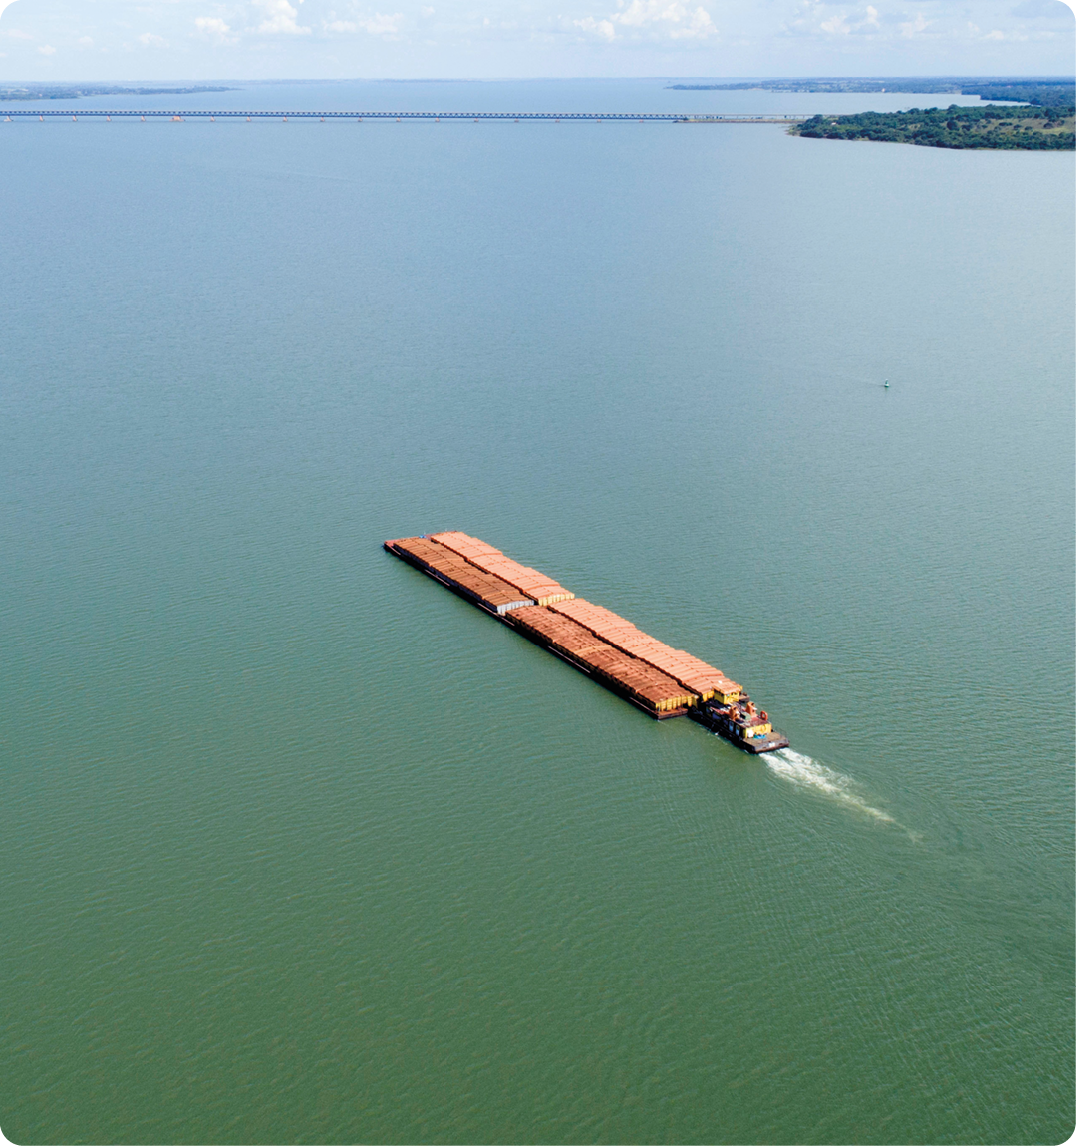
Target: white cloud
(384,25)
(149,40)
(378,25)
(214,29)
(669,16)
(280,17)
(836,25)
(602,28)
(841,25)
(655,19)
(540,37)
(914,27)
(47,50)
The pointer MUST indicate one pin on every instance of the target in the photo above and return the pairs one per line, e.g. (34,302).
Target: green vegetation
(1038,93)
(1013,128)
(1043,91)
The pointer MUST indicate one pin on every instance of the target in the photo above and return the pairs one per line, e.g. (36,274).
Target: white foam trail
(807,773)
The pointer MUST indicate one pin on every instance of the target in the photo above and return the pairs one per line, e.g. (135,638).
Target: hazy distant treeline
(71,91)
(1041,92)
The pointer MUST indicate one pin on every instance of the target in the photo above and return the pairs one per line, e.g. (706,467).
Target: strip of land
(71,91)
(1040,91)
(1006,128)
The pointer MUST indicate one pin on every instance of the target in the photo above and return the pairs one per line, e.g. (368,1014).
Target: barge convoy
(662,681)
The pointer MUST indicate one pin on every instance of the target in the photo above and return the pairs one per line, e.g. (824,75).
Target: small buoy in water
(887,383)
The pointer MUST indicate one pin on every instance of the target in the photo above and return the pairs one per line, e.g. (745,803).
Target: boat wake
(807,773)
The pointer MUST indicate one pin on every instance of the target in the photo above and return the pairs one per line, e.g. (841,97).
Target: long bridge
(399,116)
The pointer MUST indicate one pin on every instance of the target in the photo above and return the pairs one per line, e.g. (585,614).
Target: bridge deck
(156,113)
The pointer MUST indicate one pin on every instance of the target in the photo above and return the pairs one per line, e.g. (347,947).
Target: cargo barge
(661,681)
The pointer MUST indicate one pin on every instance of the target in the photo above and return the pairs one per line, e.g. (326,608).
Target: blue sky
(251,39)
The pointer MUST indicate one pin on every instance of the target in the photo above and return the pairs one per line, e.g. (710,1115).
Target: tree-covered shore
(1009,128)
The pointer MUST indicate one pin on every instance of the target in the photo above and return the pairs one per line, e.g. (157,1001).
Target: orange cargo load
(658,678)
(535,585)
(651,690)
(694,675)
(491,592)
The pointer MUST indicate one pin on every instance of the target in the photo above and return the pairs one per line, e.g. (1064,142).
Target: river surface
(299,847)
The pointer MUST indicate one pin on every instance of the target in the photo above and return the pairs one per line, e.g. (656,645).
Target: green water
(298,847)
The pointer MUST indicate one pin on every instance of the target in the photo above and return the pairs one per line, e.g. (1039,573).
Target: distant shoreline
(79,91)
(1039,91)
